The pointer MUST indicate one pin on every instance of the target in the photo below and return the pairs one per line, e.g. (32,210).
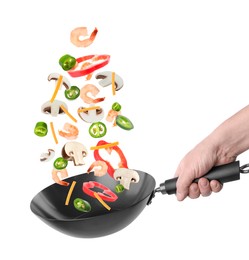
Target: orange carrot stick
(53,132)
(68,114)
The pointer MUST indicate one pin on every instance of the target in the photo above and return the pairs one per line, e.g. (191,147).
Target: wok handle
(223,173)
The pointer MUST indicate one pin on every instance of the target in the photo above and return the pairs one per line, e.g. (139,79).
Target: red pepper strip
(110,169)
(106,195)
(82,72)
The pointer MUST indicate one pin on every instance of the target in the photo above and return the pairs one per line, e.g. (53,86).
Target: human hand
(194,165)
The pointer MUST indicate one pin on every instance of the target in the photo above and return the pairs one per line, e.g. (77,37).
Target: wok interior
(49,204)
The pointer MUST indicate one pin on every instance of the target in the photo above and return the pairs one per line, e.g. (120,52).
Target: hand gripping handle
(223,173)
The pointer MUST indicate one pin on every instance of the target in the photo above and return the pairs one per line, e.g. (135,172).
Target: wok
(49,204)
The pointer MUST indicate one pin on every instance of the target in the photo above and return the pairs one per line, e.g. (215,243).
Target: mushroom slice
(106,79)
(74,151)
(45,157)
(126,177)
(91,115)
(53,108)
(55,76)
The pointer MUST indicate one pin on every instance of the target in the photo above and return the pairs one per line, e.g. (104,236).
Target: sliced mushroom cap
(74,151)
(91,115)
(126,177)
(55,76)
(45,157)
(106,79)
(53,108)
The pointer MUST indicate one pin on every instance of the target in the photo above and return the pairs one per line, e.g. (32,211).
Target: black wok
(49,204)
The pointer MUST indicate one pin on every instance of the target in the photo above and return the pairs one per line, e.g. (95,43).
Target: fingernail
(205,183)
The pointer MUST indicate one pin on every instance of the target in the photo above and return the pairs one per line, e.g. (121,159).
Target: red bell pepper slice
(82,72)
(106,195)
(110,169)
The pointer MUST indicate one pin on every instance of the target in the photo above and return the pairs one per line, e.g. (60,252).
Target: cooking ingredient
(63,174)
(70,193)
(113,84)
(119,188)
(45,157)
(101,201)
(98,61)
(74,151)
(112,114)
(67,62)
(90,88)
(81,32)
(53,132)
(41,129)
(57,87)
(85,109)
(107,78)
(68,114)
(55,76)
(82,205)
(116,106)
(60,163)
(100,168)
(126,177)
(97,130)
(103,145)
(124,122)
(72,93)
(53,108)
(106,194)
(110,169)
(71,132)
(91,114)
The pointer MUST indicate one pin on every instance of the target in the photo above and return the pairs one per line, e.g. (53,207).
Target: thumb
(182,185)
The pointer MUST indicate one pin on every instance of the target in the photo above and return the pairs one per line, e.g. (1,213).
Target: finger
(182,186)
(204,187)
(194,191)
(216,186)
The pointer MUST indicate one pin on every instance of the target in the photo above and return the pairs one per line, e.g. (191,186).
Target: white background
(185,67)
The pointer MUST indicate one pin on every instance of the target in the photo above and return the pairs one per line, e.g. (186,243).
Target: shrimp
(63,174)
(93,90)
(112,115)
(71,131)
(99,171)
(78,33)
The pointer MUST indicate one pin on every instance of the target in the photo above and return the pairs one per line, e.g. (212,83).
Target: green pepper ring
(82,205)
(60,163)
(74,91)
(96,126)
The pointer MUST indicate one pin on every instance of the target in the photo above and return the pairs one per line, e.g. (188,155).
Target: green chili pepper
(119,188)
(124,122)
(82,205)
(116,106)
(97,130)
(67,62)
(41,129)
(72,93)
(60,163)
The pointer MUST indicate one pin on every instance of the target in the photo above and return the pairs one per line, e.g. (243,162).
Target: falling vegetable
(97,130)
(72,93)
(60,163)
(41,129)
(45,157)
(124,122)
(82,205)
(119,188)
(67,62)
(116,106)
(70,193)
(101,201)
